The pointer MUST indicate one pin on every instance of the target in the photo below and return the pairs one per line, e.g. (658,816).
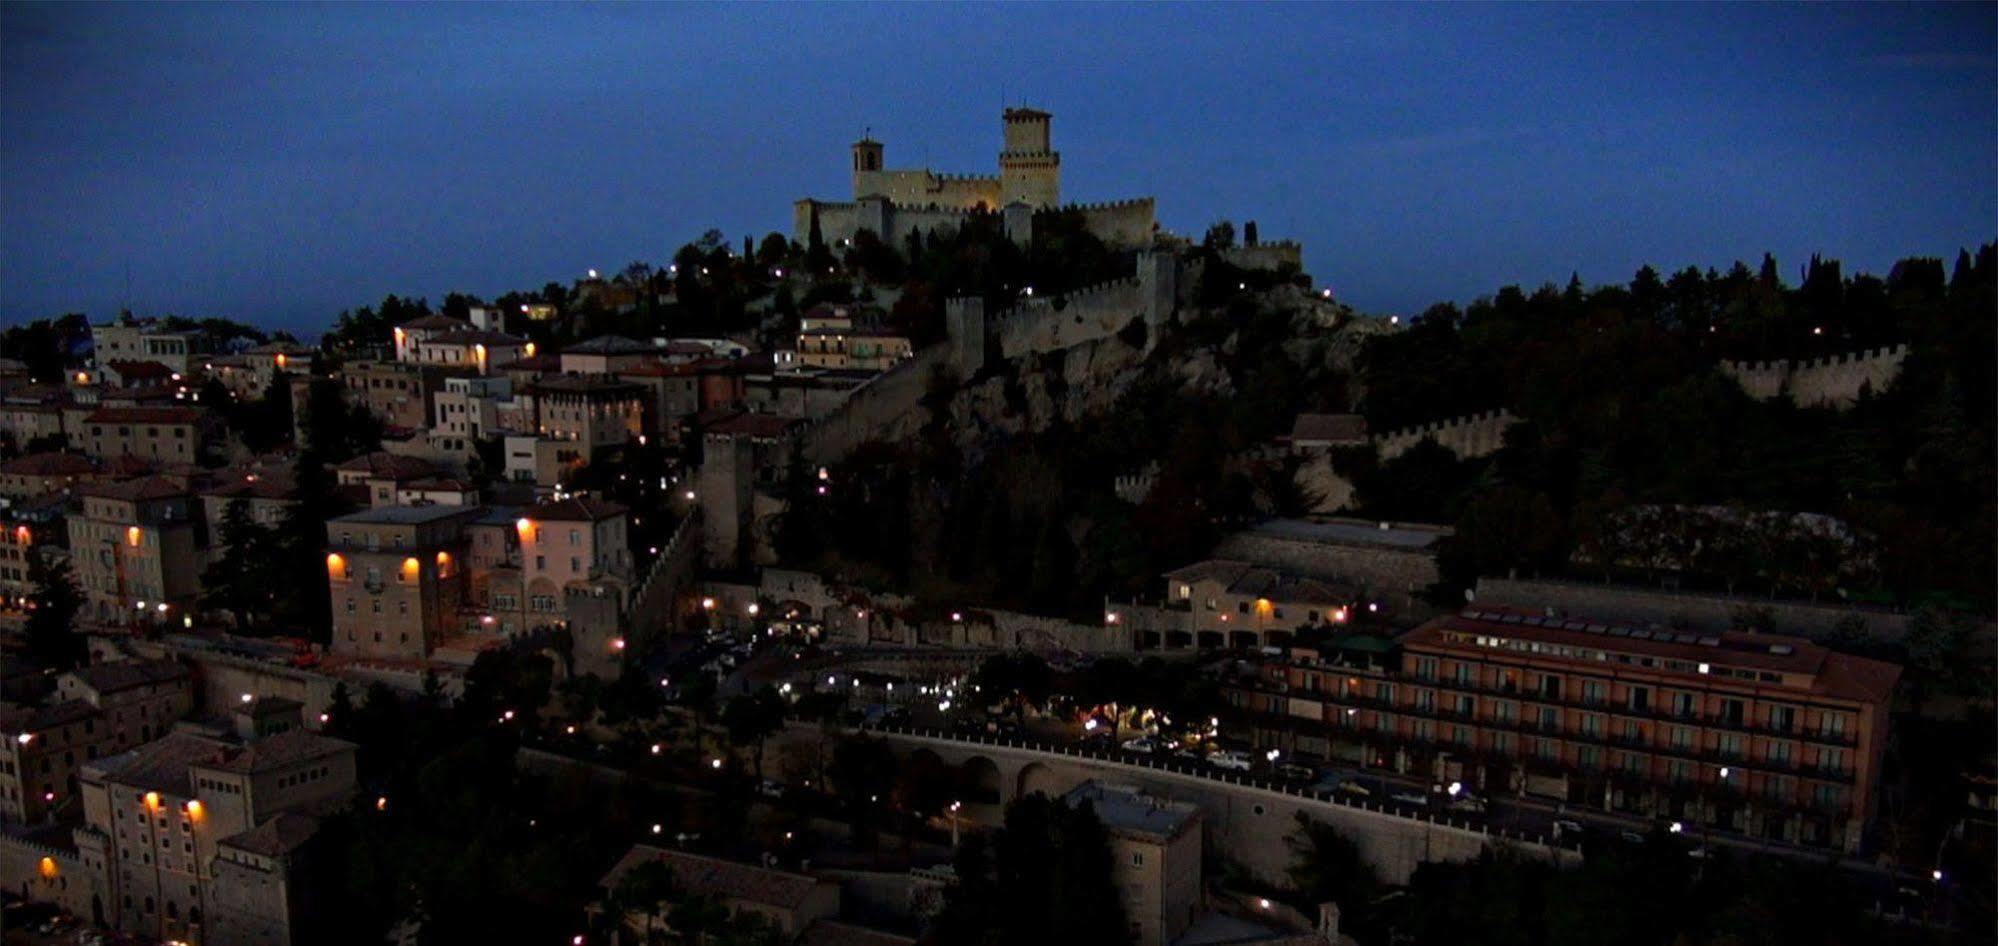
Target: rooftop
(285,748)
(714,877)
(382,463)
(477,336)
(579,509)
(1831,673)
(402,515)
(442,323)
(18,718)
(609,345)
(135,490)
(585,384)
(1406,535)
(276,837)
(835,933)
(1128,810)
(127,674)
(144,415)
(161,765)
(53,463)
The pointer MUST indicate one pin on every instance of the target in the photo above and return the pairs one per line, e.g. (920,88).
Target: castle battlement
(1468,435)
(1453,423)
(1829,381)
(1041,305)
(1131,203)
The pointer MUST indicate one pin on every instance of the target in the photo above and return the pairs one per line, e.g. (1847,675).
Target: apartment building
(401,394)
(39,475)
(526,561)
(136,549)
(249,373)
(477,349)
(177,819)
(129,339)
(592,411)
(1155,857)
(381,474)
(157,434)
(1769,736)
(828,337)
(607,354)
(96,711)
(397,579)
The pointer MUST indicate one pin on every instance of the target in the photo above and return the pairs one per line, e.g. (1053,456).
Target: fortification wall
(653,608)
(1266,255)
(1057,322)
(1378,569)
(1835,381)
(902,220)
(65,879)
(1121,222)
(922,187)
(837,221)
(1475,435)
(885,408)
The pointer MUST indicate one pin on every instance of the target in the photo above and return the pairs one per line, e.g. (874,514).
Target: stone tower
(964,325)
(867,155)
(723,488)
(1158,285)
(1029,167)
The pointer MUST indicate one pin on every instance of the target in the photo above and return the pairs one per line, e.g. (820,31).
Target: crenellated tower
(867,155)
(1029,167)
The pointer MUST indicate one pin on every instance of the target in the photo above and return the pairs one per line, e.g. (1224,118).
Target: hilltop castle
(893,203)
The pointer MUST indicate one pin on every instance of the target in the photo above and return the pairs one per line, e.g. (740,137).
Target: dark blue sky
(279,163)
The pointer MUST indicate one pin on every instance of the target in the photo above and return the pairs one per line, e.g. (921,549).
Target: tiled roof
(443,323)
(1213,569)
(140,369)
(579,509)
(584,384)
(126,674)
(53,463)
(161,765)
(285,748)
(135,490)
(766,426)
(17,718)
(144,415)
(277,837)
(713,877)
(382,463)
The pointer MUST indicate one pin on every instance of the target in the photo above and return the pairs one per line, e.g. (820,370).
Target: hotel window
(1782,718)
(1465,706)
(1589,757)
(1833,724)
(1384,692)
(1425,701)
(1632,762)
(1460,735)
(1831,760)
(1550,718)
(1463,674)
(1781,752)
(1502,743)
(1678,770)
(1731,712)
(1547,749)
(1638,699)
(1682,737)
(1684,705)
(1592,726)
(1595,692)
(1729,745)
(1550,686)
(1425,668)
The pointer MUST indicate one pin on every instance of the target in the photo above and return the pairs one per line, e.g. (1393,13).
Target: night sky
(278,163)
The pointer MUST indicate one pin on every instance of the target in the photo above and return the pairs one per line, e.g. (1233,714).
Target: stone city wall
(1471,436)
(1834,381)
(1373,568)
(887,407)
(1266,255)
(1068,319)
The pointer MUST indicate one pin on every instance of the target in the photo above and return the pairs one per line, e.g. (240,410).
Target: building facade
(136,549)
(396,575)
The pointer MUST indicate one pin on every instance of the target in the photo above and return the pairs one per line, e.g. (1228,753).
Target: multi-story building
(607,354)
(1155,853)
(829,338)
(181,821)
(160,434)
(43,474)
(476,349)
(136,549)
(594,412)
(129,339)
(472,407)
(397,579)
(1774,737)
(400,393)
(1236,604)
(789,902)
(412,334)
(96,711)
(249,374)
(544,461)
(382,473)
(526,562)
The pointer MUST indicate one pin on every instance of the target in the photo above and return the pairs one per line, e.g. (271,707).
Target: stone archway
(1210,640)
(1035,777)
(981,781)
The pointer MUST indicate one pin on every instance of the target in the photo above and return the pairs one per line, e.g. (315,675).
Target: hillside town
(969,564)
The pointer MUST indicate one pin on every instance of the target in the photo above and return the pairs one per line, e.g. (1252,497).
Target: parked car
(1143,744)
(1566,827)
(1354,788)
(1231,760)
(1631,837)
(770,788)
(1291,771)
(1410,796)
(1469,803)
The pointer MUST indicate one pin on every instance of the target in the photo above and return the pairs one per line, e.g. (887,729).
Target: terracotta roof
(544,362)
(584,384)
(161,765)
(140,369)
(144,415)
(579,509)
(127,674)
(1832,673)
(54,463)
(135,490)
(277,837)
(17,718)
(1336,428)
(713,877)
(439,322)
(441,483)
(382,463)
(285,748)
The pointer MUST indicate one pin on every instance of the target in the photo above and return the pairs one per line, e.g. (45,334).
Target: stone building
(161,434)
(129,339)
(382,474)
(895,202)
(396,575)
(400,393)
(607,354)
(99,710)
(788,902)
(1155,853)
(527,562)
(829,338)
(593,412)
(136,549)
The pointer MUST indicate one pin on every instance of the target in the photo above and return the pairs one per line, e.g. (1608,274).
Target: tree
(648,889)
(243,580)
(863,773)
(51,625)
(1249,235)
(1328,866)
(753,719)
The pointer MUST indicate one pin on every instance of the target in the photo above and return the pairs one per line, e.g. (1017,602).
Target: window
(1782,718)
(1550,686)
(1595,692)
(1425,668)
(1729,745)
(1137,858)
(1781,752)
(1682,738)
(1731,712)
(1638,699)
(1425,701)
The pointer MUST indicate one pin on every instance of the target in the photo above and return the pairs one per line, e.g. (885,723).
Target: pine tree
(244,578)
(50,628)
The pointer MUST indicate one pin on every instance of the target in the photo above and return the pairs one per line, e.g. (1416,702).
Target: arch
(1035,777)
(1178,640)
(981,781)
(1148,640)
(1210,640)
(1242,639)
(925,758)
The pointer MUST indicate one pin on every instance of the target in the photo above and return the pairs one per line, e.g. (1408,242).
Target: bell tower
(1029,167)
(866,163)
